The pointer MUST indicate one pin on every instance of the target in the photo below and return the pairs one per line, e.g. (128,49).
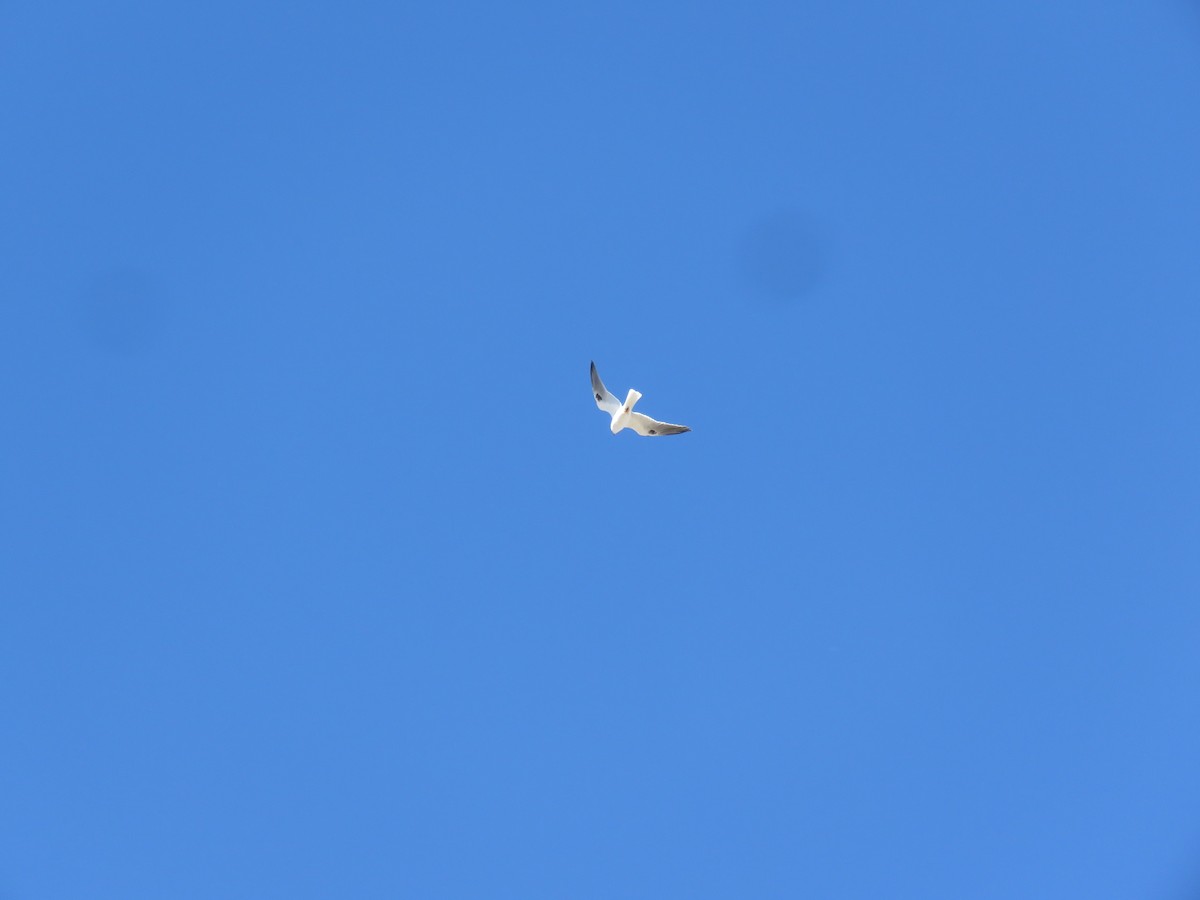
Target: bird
(623,415)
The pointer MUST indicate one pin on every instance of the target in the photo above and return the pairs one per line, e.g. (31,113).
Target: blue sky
(323,576)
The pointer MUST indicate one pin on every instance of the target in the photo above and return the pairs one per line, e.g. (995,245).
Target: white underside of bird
(623,415)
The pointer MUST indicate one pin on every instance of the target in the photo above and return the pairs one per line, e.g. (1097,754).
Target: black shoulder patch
(652,431)
(598,397)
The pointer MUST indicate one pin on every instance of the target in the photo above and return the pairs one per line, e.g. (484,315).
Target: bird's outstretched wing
(649,427)
(604,399)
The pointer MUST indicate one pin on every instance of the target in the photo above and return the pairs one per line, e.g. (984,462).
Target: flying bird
(623,415)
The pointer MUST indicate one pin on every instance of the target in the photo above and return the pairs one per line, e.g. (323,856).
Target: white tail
(630,399)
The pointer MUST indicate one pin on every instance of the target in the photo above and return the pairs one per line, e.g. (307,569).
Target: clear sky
(321,574)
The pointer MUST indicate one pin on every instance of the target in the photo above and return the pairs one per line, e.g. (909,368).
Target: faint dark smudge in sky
(124,312)
(783,255)
(1191,11)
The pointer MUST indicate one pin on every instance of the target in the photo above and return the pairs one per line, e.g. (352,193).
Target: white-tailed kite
(623,415)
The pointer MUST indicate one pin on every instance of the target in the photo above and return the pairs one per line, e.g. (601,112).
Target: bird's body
(623,415)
